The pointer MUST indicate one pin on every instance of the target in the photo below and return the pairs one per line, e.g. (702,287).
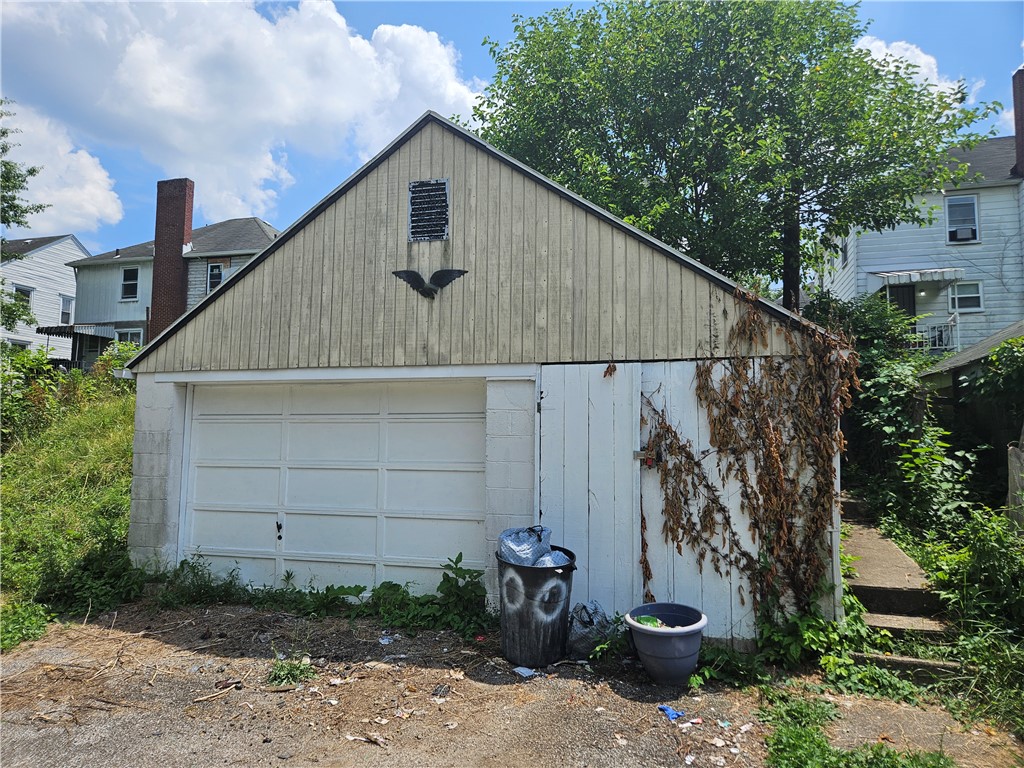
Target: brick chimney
(173,235)
(1018,120)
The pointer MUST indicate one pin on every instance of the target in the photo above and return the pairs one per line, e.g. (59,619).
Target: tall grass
(66,499)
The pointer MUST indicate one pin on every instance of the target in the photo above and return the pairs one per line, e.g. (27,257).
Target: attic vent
(428,210)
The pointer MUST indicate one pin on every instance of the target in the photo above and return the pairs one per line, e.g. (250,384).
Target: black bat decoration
(429,288)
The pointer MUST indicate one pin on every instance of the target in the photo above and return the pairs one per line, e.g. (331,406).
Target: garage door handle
(280,527)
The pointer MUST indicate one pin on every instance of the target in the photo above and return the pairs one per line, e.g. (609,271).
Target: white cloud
(927,65)
(221,94)
(78,189)
(1005,123)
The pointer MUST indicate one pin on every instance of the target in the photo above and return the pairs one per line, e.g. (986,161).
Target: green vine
(774,429)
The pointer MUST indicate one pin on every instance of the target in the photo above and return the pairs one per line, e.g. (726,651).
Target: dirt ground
(141,689)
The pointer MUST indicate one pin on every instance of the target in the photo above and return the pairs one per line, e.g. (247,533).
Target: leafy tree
(14,212)
(751,134)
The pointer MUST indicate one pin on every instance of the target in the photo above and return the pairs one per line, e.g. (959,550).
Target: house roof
(249,235)
(29,244)
(425,120)
(977,351)
(993,159)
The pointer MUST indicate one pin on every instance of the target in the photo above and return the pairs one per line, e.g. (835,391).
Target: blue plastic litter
(670,712)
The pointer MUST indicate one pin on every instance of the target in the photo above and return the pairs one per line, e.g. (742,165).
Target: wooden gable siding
(548,281)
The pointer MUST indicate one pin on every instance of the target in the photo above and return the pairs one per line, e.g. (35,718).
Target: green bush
(21,621)
(35,394)
(980,572)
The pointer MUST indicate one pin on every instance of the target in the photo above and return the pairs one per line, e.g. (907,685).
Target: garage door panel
(421,580)
(341,535)
(220,529)
(333,488)
(432,490)
(215,401)
(257,571)
(237,486)
(325,574)
(449,441)
(371,482)
(336,398)
(418,537)
(260,441)
(337,441)
(437,397)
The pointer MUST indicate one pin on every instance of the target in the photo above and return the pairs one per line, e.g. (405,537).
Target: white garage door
(336,483)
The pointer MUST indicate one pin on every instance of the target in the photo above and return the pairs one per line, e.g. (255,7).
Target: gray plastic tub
(669,653)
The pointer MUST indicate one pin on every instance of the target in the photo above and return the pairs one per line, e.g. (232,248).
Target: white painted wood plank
(601,454)
(575,531)
(716,590)
(552,447)
(626,471)
(655,385)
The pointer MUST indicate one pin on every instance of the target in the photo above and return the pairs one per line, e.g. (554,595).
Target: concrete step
(887,580)
(920,671)
(900,626)
(907,601)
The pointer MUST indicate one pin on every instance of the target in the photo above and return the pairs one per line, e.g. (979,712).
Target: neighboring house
(319,417)
(966,270)
(986,422)
(133,293)
(43,281)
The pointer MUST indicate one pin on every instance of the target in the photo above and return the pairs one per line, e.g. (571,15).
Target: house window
(94,345)
(428,210)
(67,309)
(214,275)
(966,297)
(134,335)
(23,295)
(22,345)
(129,283)
(844,252)
(962,219)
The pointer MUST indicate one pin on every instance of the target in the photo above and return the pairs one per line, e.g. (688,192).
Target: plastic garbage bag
(589,626)
(524,546)
(552,559)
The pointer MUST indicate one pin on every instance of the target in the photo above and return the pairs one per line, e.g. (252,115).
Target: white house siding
(589,479)
(592,490)
(99,285)
(44,271)
(841,280)
(997,261)
(197,275)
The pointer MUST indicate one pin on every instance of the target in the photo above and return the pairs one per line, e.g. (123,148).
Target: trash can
(535,611)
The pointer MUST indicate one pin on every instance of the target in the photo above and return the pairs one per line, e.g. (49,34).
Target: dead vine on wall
(774,429)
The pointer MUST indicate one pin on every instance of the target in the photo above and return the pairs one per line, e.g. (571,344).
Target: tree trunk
(791,250)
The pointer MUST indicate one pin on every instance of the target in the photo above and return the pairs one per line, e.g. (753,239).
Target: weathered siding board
(589,481)
(548,281)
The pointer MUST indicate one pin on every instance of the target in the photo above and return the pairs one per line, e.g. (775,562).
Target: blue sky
(268,107)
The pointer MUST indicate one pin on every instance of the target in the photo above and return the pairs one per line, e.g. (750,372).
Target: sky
(270,106)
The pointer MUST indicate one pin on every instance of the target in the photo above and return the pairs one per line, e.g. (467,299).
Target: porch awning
(921,276)
(66,331)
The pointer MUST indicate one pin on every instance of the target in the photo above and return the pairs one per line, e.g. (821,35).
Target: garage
(347,483)
(450,344)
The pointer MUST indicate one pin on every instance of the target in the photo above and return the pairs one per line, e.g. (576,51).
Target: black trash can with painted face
(535,611)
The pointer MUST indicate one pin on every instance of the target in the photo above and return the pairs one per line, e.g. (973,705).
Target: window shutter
(428,210)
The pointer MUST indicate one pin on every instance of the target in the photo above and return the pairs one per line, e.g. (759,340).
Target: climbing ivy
(774,429)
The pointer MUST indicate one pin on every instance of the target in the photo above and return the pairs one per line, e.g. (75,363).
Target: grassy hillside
(66,498)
